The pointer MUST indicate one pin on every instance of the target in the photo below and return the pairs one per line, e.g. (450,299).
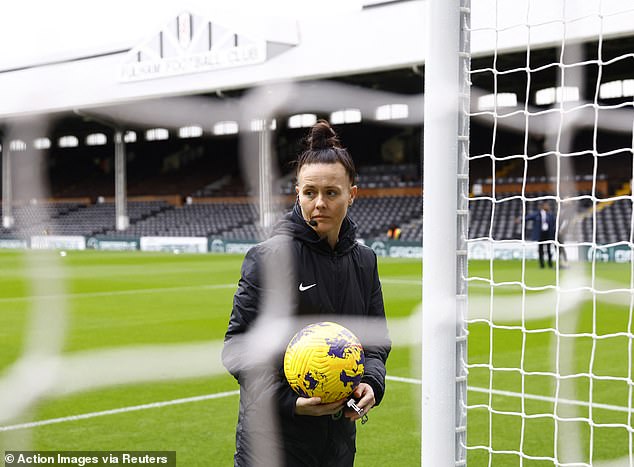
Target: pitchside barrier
(477,250)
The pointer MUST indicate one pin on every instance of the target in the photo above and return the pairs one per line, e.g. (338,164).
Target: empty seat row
(497,219)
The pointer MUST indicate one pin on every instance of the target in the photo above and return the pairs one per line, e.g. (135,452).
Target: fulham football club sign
(191,44)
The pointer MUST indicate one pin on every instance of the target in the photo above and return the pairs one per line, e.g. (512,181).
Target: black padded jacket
(296,273)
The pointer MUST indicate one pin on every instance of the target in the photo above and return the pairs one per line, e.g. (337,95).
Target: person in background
(543,231)
(335,278)
(394,232)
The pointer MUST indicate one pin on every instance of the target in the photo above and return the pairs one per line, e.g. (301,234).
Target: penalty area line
(134,408)
(220,395)
(153,405)
(113,293)
(535,397)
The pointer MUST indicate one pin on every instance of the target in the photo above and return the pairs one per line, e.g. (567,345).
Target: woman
(334,275)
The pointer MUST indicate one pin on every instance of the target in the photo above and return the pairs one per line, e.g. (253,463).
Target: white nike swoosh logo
(302,288)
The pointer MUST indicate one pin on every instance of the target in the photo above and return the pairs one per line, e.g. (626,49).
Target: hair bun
(322,136)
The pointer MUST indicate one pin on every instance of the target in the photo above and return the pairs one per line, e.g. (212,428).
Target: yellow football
(324,360)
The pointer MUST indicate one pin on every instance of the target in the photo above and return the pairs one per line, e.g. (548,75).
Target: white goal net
(550,240)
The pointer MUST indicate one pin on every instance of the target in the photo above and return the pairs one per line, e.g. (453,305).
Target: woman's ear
(353,194)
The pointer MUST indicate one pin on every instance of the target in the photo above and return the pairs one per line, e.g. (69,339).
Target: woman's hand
(365,395)
(313,407)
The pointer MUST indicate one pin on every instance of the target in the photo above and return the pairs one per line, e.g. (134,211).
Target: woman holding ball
(333,278)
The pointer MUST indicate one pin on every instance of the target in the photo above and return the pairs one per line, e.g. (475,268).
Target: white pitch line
(535,397)
(402,281)
(221,395)
(133,408)
(119,292)
(155,290)
(552,400)
(400,379)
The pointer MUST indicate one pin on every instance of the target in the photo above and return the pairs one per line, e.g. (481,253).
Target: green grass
(122,300)
(193,306)
(593,344)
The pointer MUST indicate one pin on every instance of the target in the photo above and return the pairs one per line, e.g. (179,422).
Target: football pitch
(164,301)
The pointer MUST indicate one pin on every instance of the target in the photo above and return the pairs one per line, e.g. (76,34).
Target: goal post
(547,89)
(445,221)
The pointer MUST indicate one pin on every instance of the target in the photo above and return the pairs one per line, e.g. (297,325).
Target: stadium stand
(239,220)
(75,219)
(374,215)
(196,220)
(614,220)
(388,176)
(30,218)
(247,232)
(413,230)
(206,172)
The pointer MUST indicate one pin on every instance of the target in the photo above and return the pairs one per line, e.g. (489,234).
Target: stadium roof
(49,32)
(82,55)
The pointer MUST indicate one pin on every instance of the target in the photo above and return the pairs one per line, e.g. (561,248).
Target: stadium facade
(180,56)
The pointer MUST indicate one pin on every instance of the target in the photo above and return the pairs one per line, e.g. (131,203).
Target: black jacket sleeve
(236,354)
(243,315)
(377,351)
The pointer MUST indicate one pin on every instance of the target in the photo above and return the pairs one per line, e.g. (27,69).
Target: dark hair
(323,147)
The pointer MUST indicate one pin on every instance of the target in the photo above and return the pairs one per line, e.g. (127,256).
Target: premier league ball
(324,360)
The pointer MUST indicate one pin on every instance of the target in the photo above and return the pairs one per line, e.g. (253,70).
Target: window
(17,145)
(96,139)
(157,134)
(193,131)
(68,141)
(129,137)
(616,89)
(345,116)
(228,127)
(42,143)
(392,111)
(499,100)
(258,124)
(302,120)
(549,96)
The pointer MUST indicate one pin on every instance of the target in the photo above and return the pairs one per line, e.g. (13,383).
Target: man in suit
(543,231)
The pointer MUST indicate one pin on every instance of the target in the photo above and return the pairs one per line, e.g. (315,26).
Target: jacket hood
(294,225)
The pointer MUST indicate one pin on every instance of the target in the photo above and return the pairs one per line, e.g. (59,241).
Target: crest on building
(191,44)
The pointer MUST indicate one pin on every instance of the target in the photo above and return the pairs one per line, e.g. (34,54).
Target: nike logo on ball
(302,288)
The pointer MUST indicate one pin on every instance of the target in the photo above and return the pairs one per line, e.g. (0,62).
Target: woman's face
(324,193)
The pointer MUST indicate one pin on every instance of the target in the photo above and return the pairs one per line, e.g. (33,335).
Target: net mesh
(550,357)
(44,371)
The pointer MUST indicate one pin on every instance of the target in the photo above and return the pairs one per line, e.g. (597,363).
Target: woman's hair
(323,147)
